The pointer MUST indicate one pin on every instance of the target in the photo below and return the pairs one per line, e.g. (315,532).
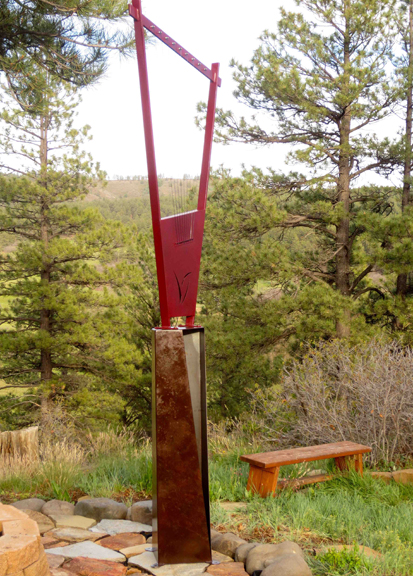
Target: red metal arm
(209,136)
(178,240)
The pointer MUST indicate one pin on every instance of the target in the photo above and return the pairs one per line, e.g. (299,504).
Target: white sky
(213,31)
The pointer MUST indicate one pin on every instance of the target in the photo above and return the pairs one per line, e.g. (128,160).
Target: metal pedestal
(181,521)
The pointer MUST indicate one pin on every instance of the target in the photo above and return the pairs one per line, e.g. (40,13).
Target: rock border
(21,551)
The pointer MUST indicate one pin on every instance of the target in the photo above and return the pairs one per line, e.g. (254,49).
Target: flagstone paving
(113,527)
(88,550)
(123,540)
(147,561)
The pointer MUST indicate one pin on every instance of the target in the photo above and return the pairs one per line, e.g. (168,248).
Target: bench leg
(358,461)
(342,463)
(262,481)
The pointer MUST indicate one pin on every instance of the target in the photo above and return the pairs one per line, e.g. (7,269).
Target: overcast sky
(213,31)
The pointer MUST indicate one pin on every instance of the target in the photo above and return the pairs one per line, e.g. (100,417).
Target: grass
(347,510)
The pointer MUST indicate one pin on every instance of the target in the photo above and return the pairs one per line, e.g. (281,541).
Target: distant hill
(115,189)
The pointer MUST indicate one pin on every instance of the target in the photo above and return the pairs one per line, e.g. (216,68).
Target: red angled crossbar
(178,238)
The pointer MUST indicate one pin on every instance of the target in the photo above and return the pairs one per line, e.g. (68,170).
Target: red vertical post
(150,154)
(209,136)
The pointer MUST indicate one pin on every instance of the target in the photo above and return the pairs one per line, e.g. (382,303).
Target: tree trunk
(343,197)
(46,371)
(401,287)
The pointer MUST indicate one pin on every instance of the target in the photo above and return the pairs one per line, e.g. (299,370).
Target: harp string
(183,216)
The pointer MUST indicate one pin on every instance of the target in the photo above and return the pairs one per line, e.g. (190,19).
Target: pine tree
(63,330)
(322,79)
(69,38)
(406,31)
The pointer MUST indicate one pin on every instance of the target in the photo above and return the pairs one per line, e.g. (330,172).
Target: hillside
(114,189)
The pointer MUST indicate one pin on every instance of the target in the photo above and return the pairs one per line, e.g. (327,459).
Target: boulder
(215,538)
(242,551)
(58,508)
(287,565)
(227,543)
(44,522)
(101,508)
(259,555)
(385,476)
(142,512)
(403,476)
(35,504)
(93,567)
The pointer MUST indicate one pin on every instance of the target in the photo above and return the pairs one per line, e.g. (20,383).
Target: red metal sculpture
(178,238)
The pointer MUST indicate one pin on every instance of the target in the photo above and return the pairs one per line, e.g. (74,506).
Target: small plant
(342,562)
(59,493)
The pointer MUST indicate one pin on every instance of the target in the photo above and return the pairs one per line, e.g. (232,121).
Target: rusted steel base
(181,524)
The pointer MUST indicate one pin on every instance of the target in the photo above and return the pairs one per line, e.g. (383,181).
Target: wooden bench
(264,467)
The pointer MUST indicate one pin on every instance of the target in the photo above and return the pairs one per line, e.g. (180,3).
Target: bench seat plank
(297,455)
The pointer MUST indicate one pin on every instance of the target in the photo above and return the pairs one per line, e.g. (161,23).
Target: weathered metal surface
(180,486)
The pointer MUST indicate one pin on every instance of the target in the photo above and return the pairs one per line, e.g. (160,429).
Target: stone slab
(91,567)
(73,535)
(226,569)
(134,550)
(21,551)
(73,522)
(88,550)
(23,527)
(38,568)
(44,523)
(55,560)
(147,561)
(123,540)
(56,544)
(113,527)
(221,558)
